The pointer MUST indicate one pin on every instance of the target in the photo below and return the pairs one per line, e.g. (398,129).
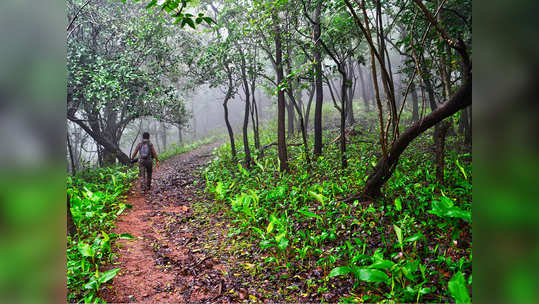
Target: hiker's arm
(136,151)
(155,156)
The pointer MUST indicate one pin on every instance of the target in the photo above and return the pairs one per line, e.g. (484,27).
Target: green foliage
(121,65)
(458,289)
(444,208)
(299,222)
(96,201)
(176,10)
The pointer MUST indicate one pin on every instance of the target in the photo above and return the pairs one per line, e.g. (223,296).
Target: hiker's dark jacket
(145,166)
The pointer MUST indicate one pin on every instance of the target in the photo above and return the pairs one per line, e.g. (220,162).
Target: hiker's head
(145,135)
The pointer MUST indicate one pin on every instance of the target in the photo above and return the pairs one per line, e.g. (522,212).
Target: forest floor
(187,246)
(169,259)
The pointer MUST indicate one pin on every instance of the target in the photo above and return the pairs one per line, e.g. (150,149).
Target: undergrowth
(412,245)
(96,201)
(97,198)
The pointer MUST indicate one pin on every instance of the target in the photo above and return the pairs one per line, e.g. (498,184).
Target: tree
(461,98)
(118,71)
(317,54)
(281,139)
(216,59)
(341,50)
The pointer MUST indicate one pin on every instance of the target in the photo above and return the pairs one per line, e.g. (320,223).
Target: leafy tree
(118,62)
(460,99)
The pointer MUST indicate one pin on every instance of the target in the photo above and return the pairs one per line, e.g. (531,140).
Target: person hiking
(146,153)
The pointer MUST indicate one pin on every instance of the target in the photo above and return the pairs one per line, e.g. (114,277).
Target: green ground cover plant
(412,245)
(97,199)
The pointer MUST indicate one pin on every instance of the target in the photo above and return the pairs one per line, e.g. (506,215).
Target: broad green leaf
(444,208)
(190,22)
(86,250)
(208,20)
(266,244)
(271,224)
(310,214)
(457,288)
(409,269)
(398,232)
(462,170)
(91,284)
(339,271)
(415,237)
(106,237)
(270,227)
(283,243)
(459,213)
(369,275)
(319,197)
(108,275)
(398,204)
(382,264)
(126,236)
(280,236)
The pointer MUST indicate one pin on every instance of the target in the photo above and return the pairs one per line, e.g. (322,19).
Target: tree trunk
(350,107)
(415,105)
(318,82)
(292,101)
(254,117)
(350,94)
(71,157)
(245,130)
(387,78)
(245,133)
(230,131)
(136,137)
(385,167)
(281,137)
(109,155)
(246,112)
(106,143)
(344,110)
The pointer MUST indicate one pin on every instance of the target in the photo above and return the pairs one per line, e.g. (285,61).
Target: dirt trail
(158,266)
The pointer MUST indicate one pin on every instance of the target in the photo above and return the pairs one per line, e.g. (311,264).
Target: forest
(312,151)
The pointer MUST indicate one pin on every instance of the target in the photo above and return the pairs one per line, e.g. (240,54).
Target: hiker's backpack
(145,150)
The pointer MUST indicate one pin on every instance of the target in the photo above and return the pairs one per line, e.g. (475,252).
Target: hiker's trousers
(145,173)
